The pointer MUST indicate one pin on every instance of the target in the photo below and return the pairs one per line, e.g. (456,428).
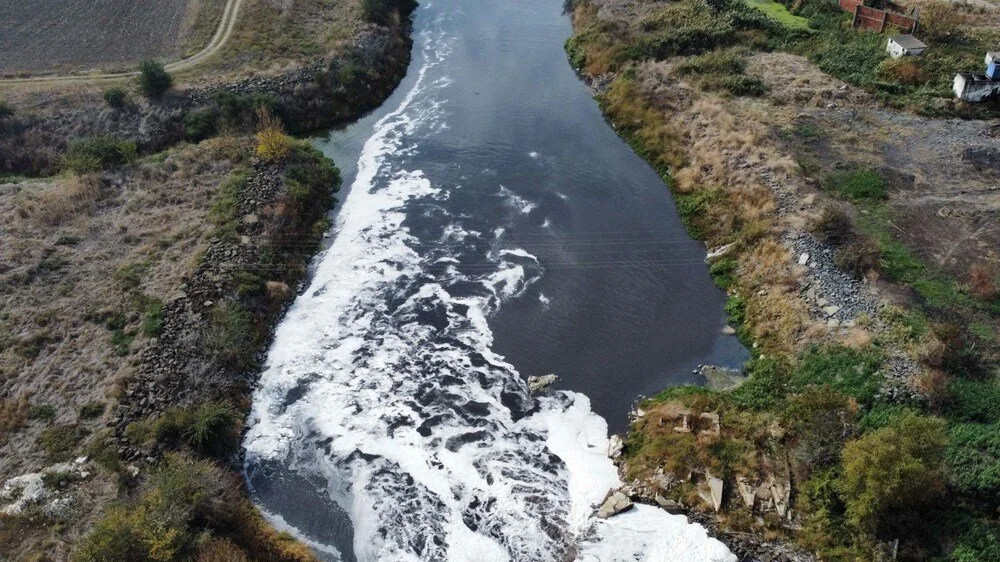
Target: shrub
(891,473)
(858,257)
(940,21)
(180,496)
(979,543)
(233,336)
(974,458)
(115,96)
(59,441)
(905,70)
(5,110)
(211,428)
(984,281)
(765,387)
(272,145)
(974,401)
(722,61)
(833,227)
(821,420)
(152,322)
(91,154)
(44,412)
(853,372)
(861,184)
(200,124)
(154,79)
(91,410)
(221,550)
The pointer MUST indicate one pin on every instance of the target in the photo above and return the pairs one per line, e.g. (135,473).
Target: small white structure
(905,45)
(974,87)
(992,57)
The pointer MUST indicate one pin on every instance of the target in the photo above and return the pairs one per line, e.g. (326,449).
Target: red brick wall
(876,20)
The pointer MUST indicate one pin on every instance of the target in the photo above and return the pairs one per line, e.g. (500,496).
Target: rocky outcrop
(614,503)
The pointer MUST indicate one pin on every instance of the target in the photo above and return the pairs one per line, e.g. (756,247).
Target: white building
(905,45)
(975,87)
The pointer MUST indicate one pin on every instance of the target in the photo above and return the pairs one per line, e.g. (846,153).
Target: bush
(821,420)
(905,70)
(182,496)
(273,145)
(940,21)
(92,410)
(858,257)
(765,387)
(200,124)
(854,373)
(892,473)
(115,97)
(979,543)
(210,428)
(5,110)
(91,154)
(722,61)
(974,459)
(833,227)
(44,412)
(974,401)
(154,79)
(233,336)
(59,441)
(984,281)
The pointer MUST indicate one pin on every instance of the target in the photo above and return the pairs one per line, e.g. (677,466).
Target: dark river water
(493,226)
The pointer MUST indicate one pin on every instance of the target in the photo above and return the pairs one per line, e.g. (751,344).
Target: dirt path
(222,34)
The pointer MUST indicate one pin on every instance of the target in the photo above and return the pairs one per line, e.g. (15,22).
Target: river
(494,226)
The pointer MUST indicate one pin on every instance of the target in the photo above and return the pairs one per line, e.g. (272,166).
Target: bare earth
(50,35)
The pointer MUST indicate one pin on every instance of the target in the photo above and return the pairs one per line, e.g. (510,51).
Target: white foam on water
(533,154)
(383,382)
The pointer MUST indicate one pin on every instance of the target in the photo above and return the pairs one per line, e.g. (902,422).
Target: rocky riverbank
(321,94)
(140,292)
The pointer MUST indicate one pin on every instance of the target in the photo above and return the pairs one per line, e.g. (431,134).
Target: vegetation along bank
(847,202)
(153,234)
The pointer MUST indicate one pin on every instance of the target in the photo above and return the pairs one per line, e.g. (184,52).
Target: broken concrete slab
(614,503)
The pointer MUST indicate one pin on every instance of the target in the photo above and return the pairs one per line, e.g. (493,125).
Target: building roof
(908,42)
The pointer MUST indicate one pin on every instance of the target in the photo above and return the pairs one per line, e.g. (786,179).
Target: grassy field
(780,13)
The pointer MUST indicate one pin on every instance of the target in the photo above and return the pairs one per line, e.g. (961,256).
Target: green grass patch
(780,13)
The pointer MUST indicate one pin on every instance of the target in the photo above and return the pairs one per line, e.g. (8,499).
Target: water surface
(494,227)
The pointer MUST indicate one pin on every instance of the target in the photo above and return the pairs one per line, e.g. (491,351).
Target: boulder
(615,446)
(538,384)
(615,503)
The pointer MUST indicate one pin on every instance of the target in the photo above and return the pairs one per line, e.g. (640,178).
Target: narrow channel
(493,226)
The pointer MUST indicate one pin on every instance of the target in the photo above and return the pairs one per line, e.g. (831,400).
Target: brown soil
(53,35)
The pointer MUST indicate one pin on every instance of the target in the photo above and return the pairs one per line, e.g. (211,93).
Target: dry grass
(67,198)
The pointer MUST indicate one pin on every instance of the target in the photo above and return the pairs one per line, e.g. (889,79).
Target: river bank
(858,357)
(139,293)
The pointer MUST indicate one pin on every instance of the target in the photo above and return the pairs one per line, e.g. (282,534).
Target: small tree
(115,96)
(5,110)
(891,473)
(154,78)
